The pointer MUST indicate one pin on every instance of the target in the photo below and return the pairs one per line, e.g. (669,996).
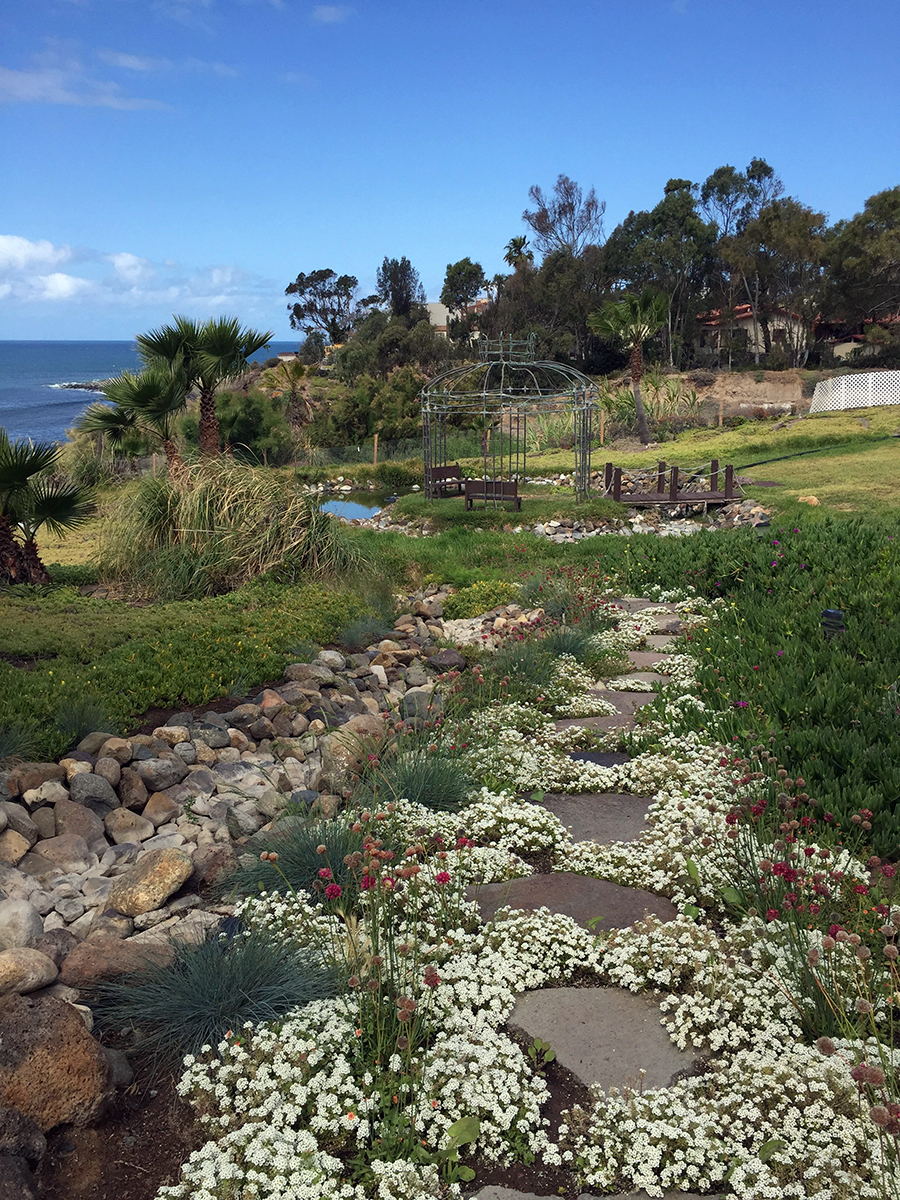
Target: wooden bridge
(668,487)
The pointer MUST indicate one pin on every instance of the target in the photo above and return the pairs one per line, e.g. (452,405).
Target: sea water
(33,402)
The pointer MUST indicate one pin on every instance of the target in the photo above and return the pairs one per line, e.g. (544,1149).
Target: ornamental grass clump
(425,765)
(208,992)
(216,527)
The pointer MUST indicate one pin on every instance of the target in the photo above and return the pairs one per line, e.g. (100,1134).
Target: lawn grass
(538,506)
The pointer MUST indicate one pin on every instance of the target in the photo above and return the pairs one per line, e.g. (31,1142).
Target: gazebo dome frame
(504,388)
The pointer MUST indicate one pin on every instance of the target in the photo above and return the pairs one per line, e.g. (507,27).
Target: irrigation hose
(821,450)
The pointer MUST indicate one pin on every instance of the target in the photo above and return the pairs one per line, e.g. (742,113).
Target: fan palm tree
(203,355)
(285,380)
(517,252)
(149,402)
(29,500)
(632,321)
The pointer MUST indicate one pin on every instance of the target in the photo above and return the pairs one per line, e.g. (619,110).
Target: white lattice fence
(856,391)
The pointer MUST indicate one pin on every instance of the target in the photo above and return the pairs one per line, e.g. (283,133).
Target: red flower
(772,914)
(333,891)
(431,977)
(441,878)
(325,873)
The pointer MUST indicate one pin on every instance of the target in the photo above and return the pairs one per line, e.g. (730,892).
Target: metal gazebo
(499,393)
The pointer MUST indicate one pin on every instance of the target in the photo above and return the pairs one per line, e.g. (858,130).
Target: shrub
(480,598)
(80,715)
(209,991)
(428,773)
(295,841)
(397,475)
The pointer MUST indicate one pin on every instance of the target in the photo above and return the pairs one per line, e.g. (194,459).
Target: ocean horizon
(34,401)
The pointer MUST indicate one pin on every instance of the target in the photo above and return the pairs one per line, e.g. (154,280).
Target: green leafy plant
(296,843)
(540,1054)
(479,598)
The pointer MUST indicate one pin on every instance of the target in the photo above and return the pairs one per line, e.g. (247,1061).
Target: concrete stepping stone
(580,897)
(604,1036)
(600,816)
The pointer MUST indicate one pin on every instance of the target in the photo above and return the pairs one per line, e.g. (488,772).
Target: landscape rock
(20,924)
(17,819)
(24,970)
(85,788)
(108,769)
(13,847)
(121,749)
(161,773)
(56,944)
(16,1180)
(45,819)
(47,793)
(21,1137)
(172,735)
(51,1069)
(210,863)
(26,776)
(69,852)
(40,869)
(151,881)
(123,825)
(72,818)
(161,808)
(102,958)
(132,790)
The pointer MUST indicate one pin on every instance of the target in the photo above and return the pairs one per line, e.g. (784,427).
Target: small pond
(358,507)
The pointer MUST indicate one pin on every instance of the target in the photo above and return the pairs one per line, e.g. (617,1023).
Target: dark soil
(140,1145)
(24,662)
(152,718)
(539,1178)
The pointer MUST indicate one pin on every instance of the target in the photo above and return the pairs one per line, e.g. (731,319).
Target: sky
(193,156)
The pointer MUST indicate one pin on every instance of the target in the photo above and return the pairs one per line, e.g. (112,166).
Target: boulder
(76,766)
(108,769)
(150,882)
(121,749)
(72,818)
(17,819)
(160,808)
(346,751)
(69,852)
(421,704)
(123,825)
(36,866)
(51,1070)
(45,819)
(92,743)
(25,970)
(21,1137)
(213,736)
(316,673)
(211,863)
(26,776)
(132,790)
(13,847)
(56,944)
(85,788)
(47,793)
(102,958)
(172,735)
(160,773)
(16,1180)
(20,924)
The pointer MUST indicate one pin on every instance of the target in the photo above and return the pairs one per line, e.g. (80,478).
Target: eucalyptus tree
(202,355)
(633,321)
(565,220)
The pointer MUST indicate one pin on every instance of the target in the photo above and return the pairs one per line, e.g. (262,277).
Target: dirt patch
(24,662)
(152,718)
(140,1145)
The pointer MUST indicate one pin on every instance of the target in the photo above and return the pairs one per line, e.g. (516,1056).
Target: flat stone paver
(580,897)
(627,704)
(659,641)
(643,660)
(603,758)
(604,1036)
(600,816)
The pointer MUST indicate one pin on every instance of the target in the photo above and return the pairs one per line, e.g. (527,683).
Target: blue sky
(193,156)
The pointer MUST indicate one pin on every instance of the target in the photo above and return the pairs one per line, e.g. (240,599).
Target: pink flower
(772,914)
(366,882)
(325,873)
(431,977)
(333,891)
(441,878)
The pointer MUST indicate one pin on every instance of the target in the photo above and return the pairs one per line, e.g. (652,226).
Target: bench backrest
(439,473)
(492,487)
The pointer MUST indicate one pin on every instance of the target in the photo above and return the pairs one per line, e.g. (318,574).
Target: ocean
(33,404)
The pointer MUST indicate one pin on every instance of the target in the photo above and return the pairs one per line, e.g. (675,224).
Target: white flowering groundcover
(296,1110)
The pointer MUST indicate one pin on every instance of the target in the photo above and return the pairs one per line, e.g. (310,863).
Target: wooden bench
(492,489)
(443,481)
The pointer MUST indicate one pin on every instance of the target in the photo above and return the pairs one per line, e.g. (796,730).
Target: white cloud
(130,268)
(57,76)
(60,286)
(331,14)
(142,65)
(18,253)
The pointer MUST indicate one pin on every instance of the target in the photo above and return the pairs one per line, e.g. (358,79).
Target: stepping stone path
(604,1036)
(601,816)
(641,677)
(580,897)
